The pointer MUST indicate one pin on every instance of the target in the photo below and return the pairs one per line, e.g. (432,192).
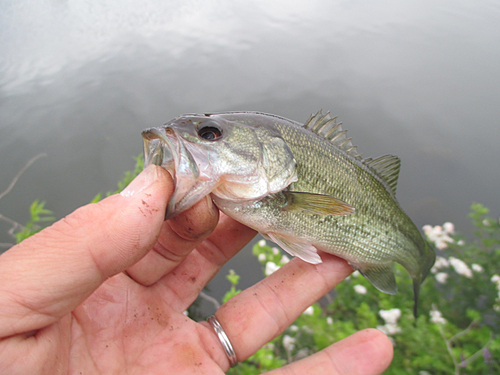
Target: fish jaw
(188,166)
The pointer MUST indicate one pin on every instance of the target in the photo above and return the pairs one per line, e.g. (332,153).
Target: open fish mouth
(157,150)
(165,148)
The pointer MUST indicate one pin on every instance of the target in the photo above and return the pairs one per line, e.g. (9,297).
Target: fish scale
(304,187)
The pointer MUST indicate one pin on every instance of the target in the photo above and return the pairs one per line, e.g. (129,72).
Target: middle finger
(178,237)
(182,285)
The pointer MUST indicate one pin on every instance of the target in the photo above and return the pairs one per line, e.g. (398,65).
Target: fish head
(222,154)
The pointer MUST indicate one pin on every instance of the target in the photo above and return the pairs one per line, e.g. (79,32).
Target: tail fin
(430,258)
(416,291)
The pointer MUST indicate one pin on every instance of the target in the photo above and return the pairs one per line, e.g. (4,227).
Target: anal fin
(304,251)
(381,276)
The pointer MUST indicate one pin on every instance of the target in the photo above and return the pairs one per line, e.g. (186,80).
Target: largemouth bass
(305,187)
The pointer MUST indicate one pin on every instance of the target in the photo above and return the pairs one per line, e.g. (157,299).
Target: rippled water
(421,80)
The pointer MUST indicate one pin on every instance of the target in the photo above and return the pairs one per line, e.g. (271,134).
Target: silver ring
(226,344)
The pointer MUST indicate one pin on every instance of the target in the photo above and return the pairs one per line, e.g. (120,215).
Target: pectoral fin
(304,251)
(381,276)
(316,204)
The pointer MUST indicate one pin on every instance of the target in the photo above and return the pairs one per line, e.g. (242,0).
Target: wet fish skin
(248,162)
(328,199)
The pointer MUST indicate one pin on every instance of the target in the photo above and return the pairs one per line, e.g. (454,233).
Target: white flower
(186,313)
(391,321)
(442,242)
(262,243)
(275,250)
(449,228)
(389,329)
(427,230)
(269,346)
(271,267)
(262,257)
(460,267)
(436,317)
(440,263)
(360,289)
(434,233)
(390,316)
(441,277)
(424,373)
(439,235)
(284,259)
(288,343)
(477,268)
(309,311)
(293,328)
(355,273)
(329,320)
(496,279)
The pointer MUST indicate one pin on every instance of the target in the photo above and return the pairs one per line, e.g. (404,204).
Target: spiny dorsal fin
(328,128)
(387,168)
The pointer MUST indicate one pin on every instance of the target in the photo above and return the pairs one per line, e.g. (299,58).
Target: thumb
(52,272)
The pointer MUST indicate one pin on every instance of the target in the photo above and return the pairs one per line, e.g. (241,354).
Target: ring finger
(263,311)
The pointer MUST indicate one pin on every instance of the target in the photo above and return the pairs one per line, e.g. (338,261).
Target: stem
(448,342)
(459,334)
(23,169)
(15,225)
(450,352)
(210,299)
(465,362)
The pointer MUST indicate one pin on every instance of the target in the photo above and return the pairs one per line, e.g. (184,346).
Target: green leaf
(38,215)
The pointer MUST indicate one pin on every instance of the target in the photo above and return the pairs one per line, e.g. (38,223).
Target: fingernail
(142,181)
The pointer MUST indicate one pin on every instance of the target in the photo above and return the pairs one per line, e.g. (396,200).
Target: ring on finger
(224,340)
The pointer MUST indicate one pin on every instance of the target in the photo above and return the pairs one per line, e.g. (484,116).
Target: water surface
(420,80)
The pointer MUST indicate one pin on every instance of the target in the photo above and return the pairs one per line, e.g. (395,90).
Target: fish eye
(209,133)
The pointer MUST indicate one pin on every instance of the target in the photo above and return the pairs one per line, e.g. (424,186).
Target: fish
(305,187)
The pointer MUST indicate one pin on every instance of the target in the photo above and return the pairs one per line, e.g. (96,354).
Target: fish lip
(159,148)
(165,148)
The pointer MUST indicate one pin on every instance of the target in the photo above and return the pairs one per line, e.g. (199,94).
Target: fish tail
(416,292)
(428,262)
(430,258)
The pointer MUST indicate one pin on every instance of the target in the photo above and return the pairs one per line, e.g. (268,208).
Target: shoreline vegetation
(456,332)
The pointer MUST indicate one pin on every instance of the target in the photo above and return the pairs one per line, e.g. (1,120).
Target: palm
(124,326)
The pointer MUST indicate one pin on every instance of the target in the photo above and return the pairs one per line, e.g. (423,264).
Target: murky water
(421,80)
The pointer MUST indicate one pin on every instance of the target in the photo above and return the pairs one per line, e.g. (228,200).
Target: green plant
(455,333)
(39,217)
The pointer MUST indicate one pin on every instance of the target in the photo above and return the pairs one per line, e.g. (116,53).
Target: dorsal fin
(328,128)
(387,168)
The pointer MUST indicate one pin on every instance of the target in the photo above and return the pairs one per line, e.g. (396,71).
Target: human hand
(104,290)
